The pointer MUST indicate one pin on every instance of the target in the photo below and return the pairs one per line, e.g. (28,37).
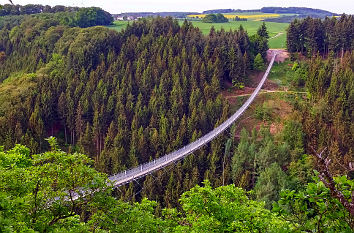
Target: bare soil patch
(282,55)
(280,109)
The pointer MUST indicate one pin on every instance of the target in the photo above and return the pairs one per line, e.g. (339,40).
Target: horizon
(117,7)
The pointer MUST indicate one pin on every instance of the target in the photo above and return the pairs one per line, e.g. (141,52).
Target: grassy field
(251,27)
(119,25)
(278,42)
(282,74)
(253,16)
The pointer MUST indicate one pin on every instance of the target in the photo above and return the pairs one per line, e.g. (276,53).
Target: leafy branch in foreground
(28,182)
(314,209)
(9,1)
(327,178)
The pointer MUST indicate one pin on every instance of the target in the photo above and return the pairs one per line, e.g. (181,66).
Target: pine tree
(262,31)
(258,62)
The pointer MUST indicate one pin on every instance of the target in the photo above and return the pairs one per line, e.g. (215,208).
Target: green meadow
(277,31)
(251,27)
(119,25)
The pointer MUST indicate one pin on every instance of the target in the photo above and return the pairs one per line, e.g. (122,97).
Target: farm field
(257,16)
(277,31)
(119,25)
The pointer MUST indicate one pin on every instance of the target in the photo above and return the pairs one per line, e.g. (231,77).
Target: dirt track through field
(266,92)
(277,35)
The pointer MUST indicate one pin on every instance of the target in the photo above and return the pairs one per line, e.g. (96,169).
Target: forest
(11,9)
(122,98)
(215,18)
(14,15)
(311,36)
(113,100)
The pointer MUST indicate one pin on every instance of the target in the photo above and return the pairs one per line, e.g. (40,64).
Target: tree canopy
(312,35)
(215,18)
(35,197)
(121,98)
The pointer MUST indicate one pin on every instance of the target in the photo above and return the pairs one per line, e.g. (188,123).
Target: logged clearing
(280,110)
(273,97)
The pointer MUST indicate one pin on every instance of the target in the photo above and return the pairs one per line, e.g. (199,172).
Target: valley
(160,124)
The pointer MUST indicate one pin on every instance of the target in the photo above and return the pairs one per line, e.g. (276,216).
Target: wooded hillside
(129,97)
(122,98)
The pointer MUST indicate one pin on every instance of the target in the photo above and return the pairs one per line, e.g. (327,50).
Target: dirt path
(266,92)
(282,54)
(277,35)
(254,78)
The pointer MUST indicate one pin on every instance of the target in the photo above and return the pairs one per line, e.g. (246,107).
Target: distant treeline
(285,19)
(229,11)
(29,9)
(290,18)
(299,13)
(69,16)
(239,19)
(215,18)
(311,36)
(296,10)
(155,14)
(276,10)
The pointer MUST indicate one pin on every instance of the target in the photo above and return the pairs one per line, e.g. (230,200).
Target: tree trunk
(66,138)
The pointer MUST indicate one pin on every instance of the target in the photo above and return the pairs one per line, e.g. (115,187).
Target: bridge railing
(149,167)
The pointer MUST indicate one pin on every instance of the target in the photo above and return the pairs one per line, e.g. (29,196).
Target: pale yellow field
(231,16)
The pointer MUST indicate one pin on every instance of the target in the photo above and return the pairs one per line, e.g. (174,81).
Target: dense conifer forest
(115,100)
(311,36)
(123,98)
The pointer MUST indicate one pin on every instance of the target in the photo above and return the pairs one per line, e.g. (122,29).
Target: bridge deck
(157,164)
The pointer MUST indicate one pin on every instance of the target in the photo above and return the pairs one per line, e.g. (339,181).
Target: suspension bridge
(145,169)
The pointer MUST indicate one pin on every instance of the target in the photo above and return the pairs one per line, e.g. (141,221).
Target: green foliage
(312,35)
(238,85)
(121,98)
(88,17)
(258,62)
(262,31)
(226,209)
(68,16)
(269,184)
(328,115)
(34,197)
(295,66)
(259,45)
(269,163)
(263,112)
(118,216)
(301,172)
(294,136)
(314,209)
(237,18)
(215,18)
(34,189)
